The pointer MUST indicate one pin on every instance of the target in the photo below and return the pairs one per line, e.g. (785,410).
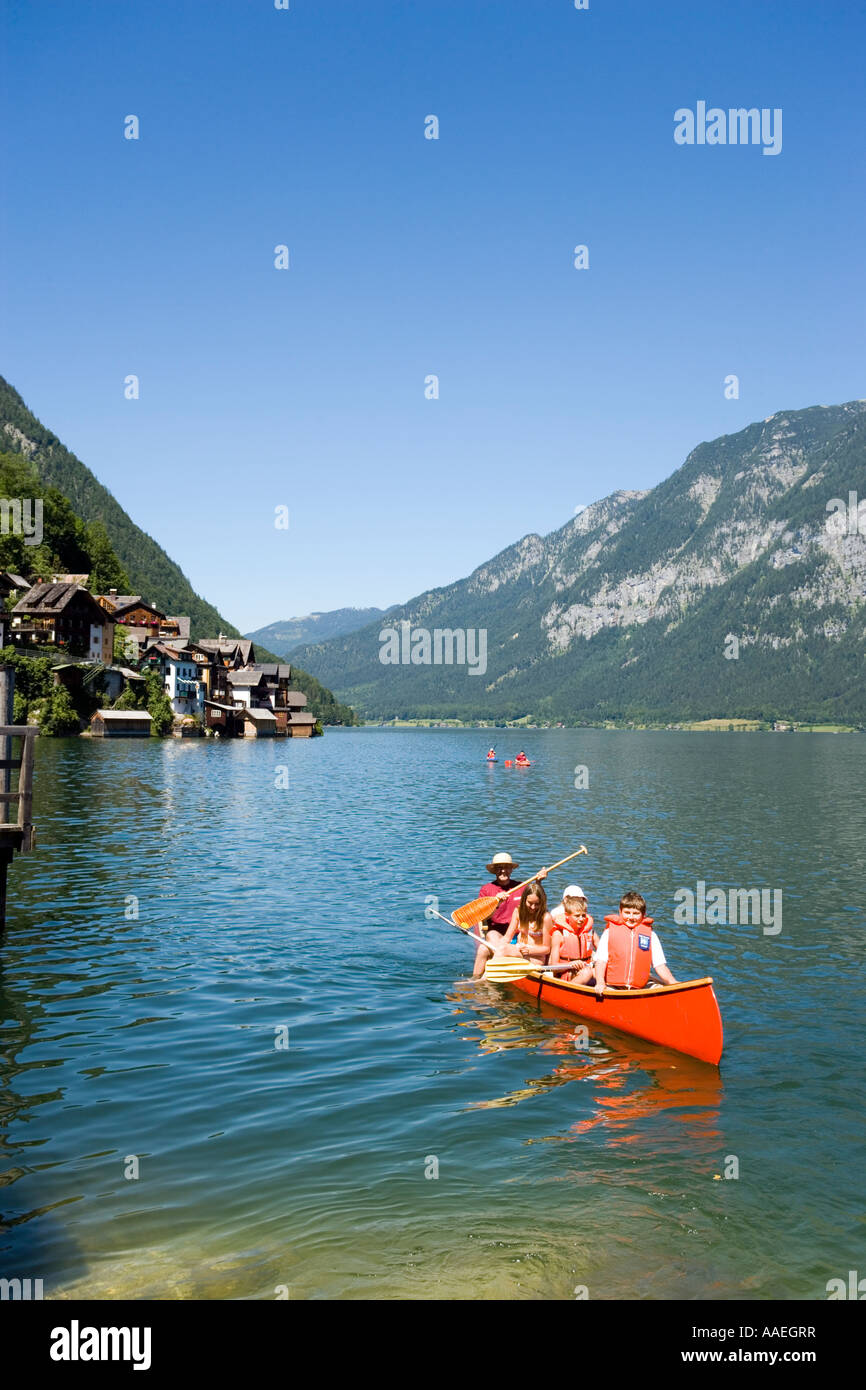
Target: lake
(239,1062)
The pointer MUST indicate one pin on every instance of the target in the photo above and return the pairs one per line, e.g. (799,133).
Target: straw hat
(499,861)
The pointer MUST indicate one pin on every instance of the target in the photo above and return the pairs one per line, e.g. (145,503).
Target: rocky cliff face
(617,610)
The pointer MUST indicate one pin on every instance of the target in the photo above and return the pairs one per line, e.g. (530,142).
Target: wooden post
(7,700)
(5,861)
(25,791)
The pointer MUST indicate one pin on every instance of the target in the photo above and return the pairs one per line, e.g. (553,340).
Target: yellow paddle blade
(472,913)
(502,970)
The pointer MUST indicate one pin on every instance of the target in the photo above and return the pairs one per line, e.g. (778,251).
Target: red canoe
(683,1016)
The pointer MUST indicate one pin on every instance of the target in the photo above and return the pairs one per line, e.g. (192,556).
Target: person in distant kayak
(629,949)
(573,937)
(521,760)
(502,887)
(531,927)
(491,755)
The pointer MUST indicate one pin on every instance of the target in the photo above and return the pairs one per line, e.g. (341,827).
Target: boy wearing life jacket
(573,935)
(629,949)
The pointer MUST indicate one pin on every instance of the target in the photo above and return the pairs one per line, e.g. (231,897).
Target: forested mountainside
(85,530)
(66,544)
(734,588)
(150,571)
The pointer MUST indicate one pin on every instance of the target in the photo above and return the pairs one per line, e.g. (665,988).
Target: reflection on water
(306,1167)
(631,1085)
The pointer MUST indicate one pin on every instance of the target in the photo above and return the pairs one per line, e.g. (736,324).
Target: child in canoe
(507,890)
(629,949)
(531,926)
(573,937)
(521,760)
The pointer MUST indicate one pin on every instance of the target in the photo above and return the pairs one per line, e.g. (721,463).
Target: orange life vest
(576,943)
(629,953)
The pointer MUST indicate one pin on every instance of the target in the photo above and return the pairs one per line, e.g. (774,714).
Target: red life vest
(576,943)
(629,953)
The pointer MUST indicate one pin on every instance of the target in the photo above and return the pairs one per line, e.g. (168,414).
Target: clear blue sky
(410,256)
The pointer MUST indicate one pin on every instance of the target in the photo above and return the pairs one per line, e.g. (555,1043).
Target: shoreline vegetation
(713,726)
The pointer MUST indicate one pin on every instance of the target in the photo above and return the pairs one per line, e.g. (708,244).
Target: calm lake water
(263,908)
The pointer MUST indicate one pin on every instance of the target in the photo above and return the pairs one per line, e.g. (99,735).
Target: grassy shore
(736,726)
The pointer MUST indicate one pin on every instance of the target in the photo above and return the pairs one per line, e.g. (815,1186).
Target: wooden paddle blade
(472,913)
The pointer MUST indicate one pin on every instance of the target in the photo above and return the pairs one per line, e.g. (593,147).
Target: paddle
(480,909)
(503,970)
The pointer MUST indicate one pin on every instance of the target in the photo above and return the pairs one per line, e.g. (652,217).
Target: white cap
(573,890)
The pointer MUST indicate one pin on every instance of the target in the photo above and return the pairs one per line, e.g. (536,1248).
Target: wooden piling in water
(15,837)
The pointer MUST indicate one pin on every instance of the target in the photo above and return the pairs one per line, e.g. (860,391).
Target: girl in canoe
(521,760)
(531,926)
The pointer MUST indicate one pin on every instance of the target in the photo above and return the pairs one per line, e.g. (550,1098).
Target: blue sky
(409,257)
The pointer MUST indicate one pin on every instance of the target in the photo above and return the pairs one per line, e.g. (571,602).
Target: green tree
(158,705)
(121,634)
(128,700)
(106,571)
(58,715)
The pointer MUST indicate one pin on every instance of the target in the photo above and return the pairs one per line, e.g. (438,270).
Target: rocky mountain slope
(727,589)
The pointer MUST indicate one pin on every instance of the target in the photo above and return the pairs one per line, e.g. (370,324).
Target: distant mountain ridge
(626,611)
(285,636)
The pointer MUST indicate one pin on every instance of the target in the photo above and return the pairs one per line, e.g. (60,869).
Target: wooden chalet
(133,612)
(64,615)
(265,686)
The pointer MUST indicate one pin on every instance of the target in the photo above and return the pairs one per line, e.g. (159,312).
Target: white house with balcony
(181,676)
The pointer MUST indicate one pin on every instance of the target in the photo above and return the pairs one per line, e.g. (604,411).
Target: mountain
(87,531)
(150,571)
(48,537)
(283,637)
(727,590)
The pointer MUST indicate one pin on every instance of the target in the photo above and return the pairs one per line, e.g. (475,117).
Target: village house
(13,583)
(143,621)
(181,676)
(75,675)
(175,629)
(64,615)
(265,686)
(131,610)
(222,654)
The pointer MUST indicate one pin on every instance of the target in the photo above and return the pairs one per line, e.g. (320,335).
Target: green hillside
(68,545)
(87,531)
(150,571)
